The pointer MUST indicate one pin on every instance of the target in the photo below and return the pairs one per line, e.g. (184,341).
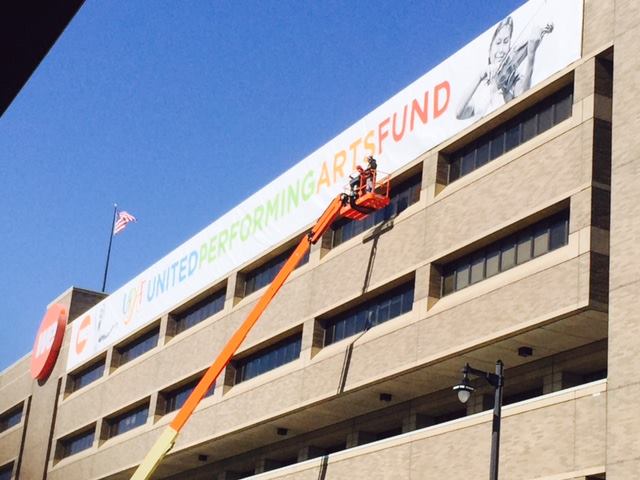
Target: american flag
(122,220)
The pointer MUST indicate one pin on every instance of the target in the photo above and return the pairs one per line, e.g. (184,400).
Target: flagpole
(106,267)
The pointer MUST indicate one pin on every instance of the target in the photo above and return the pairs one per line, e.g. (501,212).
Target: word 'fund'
(394,127)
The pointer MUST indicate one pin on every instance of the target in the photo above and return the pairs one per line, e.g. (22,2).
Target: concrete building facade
(524,255)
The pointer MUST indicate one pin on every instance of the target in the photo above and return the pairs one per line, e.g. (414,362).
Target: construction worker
(370,174)
(363,180)
(355,180)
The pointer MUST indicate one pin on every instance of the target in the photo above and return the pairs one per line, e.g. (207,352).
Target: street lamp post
(465,389)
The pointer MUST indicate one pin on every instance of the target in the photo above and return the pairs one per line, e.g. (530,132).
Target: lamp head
(464,389)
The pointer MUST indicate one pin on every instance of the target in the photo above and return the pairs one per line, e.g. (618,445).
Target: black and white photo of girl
(507,74)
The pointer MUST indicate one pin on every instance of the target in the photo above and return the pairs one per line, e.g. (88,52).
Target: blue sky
(178,111)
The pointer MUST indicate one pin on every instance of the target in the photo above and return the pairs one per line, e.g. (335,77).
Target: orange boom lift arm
(366,198)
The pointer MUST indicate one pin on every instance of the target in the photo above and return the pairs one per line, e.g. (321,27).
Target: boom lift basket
(369,198)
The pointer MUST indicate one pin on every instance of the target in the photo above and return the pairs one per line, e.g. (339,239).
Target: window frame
(407,189)
(121,352)
(192,315)
(508,249)
(11,417)
(267,271)
(112,423)
(358,318)
(289,347)
(170,394)
(65,443)
(553,109)
(7,468)
(74,377)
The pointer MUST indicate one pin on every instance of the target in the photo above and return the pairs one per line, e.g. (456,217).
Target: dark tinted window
(11,418)
(545,119)
(268,359)
(264,274)
(77,443)
(6,471)
(369,314)
(524,247)
(522,396)
(518,130)
(512,137)
(541,242)
(496,145)
(127,421)
(402,196)
(174,399)
(477,268)
(507,254)
(138,346)
(492,261)
(538,239)
(559,235)
(211,305)
(86,376)
(482,154)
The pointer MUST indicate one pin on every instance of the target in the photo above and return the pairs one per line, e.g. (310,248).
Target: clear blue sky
(178,111)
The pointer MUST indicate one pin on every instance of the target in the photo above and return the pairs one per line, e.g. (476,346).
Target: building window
(402,196)
(378,310)
(536,240)
(127,421)
(521,396)
(523,127)
(202,310)
(11,418)
(77,443)
(137,347)
(174,399)
(85,376)
(268,359)
(6,471)
(265,273)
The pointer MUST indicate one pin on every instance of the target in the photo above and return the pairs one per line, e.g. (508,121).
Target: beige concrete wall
(556,166)
(17,385)
(416,337)
(557,437)
(540,289)
(623,447)
(11,440)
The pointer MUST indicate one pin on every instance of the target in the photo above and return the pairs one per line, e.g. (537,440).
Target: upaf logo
(48,341)
(82,337)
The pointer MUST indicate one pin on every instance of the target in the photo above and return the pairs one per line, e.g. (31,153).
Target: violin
(507,74)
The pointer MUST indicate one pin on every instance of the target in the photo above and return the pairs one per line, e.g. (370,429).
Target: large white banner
(537,40)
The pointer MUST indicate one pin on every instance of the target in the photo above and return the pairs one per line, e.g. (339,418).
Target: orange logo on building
(48,341)
(81,337)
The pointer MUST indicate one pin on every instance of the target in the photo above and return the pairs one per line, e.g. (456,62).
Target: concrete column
(623,389)
(235,287)
(312,339)
(434,176)
(227,379)
(359,437)
(309,452)
(166,331)
(156,406)
(479,402)
(230,475)
(319,249)
(266,464)
(559,380)
(415,421)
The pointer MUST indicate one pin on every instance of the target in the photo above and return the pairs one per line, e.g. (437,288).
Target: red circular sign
(48,341)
